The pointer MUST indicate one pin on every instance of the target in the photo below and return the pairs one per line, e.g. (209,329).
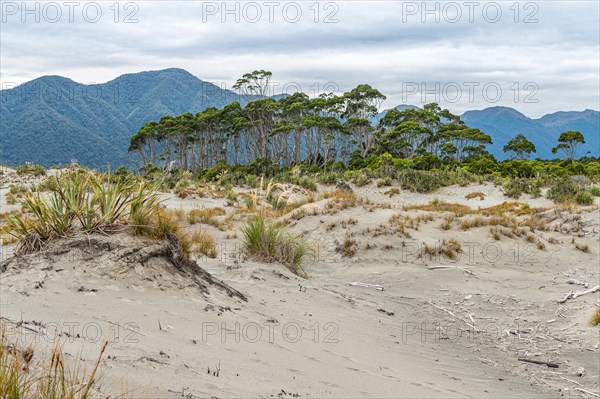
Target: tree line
(296,129)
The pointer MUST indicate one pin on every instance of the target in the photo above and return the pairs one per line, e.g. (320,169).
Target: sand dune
(379,323)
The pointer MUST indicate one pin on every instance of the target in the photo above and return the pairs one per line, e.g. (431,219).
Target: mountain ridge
(54,119)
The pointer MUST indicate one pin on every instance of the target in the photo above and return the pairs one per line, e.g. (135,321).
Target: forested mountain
(52,120)
(504,123)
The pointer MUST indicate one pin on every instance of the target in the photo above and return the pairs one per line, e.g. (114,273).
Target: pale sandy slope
(370,343)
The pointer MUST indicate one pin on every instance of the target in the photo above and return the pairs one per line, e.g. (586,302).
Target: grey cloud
(371,43)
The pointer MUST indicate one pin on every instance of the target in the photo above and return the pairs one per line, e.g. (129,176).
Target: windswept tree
(362,104)
(145,142)
(255,83)
(520,146)
(568,142)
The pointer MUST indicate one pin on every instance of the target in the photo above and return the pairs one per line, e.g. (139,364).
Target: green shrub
(595,191)
(329,178)
(563,190)
(419,181)
(31,169)
(584,198)
(82,201)
(268,242)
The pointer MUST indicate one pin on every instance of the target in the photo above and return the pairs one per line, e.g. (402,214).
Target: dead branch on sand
(436,267)
(573,295)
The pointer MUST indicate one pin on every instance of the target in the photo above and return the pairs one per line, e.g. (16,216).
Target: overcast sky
(538,57)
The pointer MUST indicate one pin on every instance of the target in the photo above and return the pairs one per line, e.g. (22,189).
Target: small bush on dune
(566,190)
(268,242)
(417,180)
(595,191)
(31,169)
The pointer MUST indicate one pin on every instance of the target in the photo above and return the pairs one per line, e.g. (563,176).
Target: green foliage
(595,191)
(520,146)
(90,202)
(419,181)
(516,187)
(268,242)
(31,169)
(566,190)
(568,142)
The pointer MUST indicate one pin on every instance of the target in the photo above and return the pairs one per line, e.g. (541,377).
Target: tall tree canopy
(520,146)
(568,142)
(296,128)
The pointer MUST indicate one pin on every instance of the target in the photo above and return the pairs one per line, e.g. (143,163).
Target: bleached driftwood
(549,364)
(435,267)
(573,295)
(577,282)
(366,285)
(587,392)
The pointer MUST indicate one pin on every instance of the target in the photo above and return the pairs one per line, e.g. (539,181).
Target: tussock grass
(269,242)
(204,243)
(475,194)
(347,247)
(339,200)
(391,192)
(583,247)
(440,206)
(595,320)
(449,248)
(207,216)
(24,374)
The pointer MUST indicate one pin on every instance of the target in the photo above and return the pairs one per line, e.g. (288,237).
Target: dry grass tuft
(583,247)
(207,216)
(595,320)
(25,375)
(204,243)
(449,248)
(475,194)
(347,247)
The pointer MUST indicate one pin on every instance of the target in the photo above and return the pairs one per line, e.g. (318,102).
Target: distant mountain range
(52,119)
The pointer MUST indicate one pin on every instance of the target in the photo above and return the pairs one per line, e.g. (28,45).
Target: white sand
(323,337)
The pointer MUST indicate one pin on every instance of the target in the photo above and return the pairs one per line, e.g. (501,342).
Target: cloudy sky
(537,57)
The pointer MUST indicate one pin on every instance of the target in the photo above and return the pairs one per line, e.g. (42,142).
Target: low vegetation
(26,374)
(269,242)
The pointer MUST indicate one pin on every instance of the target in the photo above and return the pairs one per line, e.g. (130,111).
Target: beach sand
(381,323)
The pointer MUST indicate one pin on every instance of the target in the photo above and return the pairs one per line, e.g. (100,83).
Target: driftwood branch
(587,392)
(549,364)
(367,285)
(573,295)
(436,267)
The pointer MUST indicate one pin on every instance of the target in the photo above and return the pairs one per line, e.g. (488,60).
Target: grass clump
(347,247)
(475,194)
(31,169)
(269,242)
(595,320)
(583,247)
(207,216)
(25,375)
(82,201)
(204,243)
